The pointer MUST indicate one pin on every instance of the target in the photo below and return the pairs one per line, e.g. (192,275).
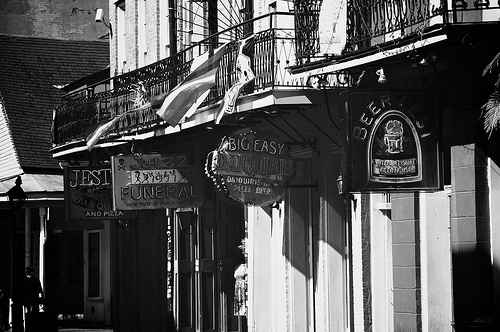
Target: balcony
(370,23)
(374,22)
(273,52)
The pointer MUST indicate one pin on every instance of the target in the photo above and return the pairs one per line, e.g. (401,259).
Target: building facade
(350,188)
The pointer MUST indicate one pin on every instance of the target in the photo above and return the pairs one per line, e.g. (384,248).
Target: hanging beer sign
(156,181)
(251,167)
(392,139)
(88,194)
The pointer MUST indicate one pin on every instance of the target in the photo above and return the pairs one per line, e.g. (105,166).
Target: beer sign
(156,181)
(251,167)
(392,140)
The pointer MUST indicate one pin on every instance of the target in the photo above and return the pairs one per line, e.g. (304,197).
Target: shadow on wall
(473,288)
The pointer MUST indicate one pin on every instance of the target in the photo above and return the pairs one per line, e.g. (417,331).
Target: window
(94,261)
(120,37)
(142,33)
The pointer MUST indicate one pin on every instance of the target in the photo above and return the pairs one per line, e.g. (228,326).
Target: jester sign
(88,194)
(392,140)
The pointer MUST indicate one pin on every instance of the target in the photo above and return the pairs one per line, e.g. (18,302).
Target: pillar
(27,238)
(42,212)
(406,253)
(470,235)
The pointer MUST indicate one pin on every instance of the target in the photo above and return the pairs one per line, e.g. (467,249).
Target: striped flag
(185,98)
(94,133)
(245,75)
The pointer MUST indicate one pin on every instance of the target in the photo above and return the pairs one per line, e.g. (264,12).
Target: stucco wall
(59,19)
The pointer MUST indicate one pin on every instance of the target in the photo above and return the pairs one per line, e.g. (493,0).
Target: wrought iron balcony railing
(273,52)
(372,22)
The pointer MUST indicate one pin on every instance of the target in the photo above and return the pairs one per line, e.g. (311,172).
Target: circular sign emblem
(251,167)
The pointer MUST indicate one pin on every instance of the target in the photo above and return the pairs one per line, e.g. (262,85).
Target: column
(27,237)
(42,212)
(470,235)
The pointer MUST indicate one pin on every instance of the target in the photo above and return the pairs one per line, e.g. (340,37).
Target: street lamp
(208,215)
(17,198)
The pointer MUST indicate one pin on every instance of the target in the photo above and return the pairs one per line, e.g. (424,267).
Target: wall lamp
(427,60)
(418,59)
(340,185)
(381,76)
(99,17)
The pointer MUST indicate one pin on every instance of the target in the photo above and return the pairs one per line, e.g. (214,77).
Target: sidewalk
(82,326)
(83,330)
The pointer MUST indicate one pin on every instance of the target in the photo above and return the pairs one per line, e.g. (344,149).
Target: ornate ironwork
(307,28)
(273,52)
(371,22)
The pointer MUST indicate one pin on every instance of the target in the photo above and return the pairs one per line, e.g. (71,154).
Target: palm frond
(494,64)
(491,110)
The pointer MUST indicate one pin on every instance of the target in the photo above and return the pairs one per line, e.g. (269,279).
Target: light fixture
(340,185)
(17,196)
(99,18)
(424,62)
(381,76)
(185,216)
(427,60)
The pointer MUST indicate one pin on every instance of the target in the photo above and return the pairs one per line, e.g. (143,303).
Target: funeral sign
(156,181)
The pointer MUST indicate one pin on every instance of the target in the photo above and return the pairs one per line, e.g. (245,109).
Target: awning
(41,189)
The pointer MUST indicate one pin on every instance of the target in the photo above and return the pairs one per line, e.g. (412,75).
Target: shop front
(249,218)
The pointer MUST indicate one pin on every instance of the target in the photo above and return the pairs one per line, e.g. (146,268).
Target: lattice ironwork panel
(370,22)
(307,28)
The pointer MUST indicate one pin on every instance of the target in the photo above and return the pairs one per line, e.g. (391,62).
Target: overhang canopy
(40,189)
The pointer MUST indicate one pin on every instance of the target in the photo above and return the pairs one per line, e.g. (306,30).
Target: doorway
(64,272)
(207,255)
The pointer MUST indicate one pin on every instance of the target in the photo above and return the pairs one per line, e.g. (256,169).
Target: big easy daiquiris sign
(251,166)
(156,181)
(390,140)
